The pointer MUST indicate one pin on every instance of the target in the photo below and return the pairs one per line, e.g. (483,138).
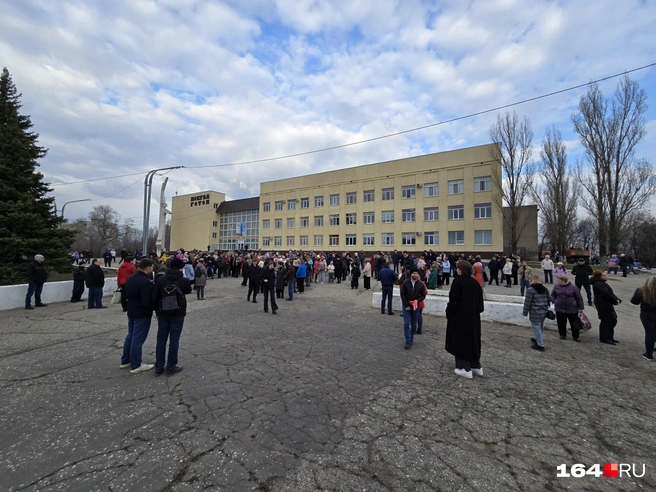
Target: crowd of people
(171,277)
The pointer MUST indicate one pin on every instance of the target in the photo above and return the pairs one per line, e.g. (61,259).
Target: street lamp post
(72,201)
(148,183)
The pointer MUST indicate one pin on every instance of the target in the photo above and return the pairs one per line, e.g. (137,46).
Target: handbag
(116,297)
(585,322)
(550,314)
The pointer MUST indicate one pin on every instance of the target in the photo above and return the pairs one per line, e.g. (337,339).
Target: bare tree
(102,229)
(513,150)
(616,182)
(585,235)
(557,195)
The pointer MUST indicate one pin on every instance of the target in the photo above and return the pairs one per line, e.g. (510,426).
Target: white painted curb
(13,296)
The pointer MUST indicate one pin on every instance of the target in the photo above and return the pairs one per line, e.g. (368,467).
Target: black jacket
(183,284)
(138,291)
(409,294)
(79,274)
(604,299)
(582,273)
(94,276)
(36,272)
(270,277)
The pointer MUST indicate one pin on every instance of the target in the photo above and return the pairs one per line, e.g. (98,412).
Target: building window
(388,193)
(277,241)
(351,198)
(333,240)
(279,205)
(430,214)
(482,238)
(368,196)
(214,235)
(318,201)
(457,212)
(367,240)
(431,189)
(409,239)
(215,223)
(387,239)
(216,205)
(318,221)
(334,200)
(408,192)
(388,216)
(291,204)
(290,223)
(266,241)
(266,224)
(305,203)
(431,238)
(277,223)
(368,218)
(303,241)
(266,207)
(334,220)
(408,215)
(483,184)
(305,221)
(350,240)
(351,219)
(457,187)
(318,240)
(290,240)
(483,211)
(456,238)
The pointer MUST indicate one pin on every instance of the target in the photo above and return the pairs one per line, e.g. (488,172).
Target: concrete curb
(13,296)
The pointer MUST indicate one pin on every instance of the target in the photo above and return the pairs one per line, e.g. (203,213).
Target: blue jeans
(33,289)
(170,329)
(548,276)
(95,294)
(387,295)
(137,333)
(291,284)
(410,324)
(524,283)
(538,327)
(322,276)
(612,269)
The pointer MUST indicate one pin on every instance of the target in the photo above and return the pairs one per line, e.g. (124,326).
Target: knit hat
(177,263)
(38,257)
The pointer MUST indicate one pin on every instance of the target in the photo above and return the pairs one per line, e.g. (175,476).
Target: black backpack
(198,272)
(172,299)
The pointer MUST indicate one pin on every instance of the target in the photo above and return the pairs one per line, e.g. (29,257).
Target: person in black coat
(339,266)
(138,290)
(253,273)
(95,280)
(494,267)
(78,281)
(605,300)
(413,292)
(37,276)
(268,279)
(582,273)
(463,328)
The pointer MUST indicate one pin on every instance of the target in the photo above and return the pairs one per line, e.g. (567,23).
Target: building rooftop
(239,205)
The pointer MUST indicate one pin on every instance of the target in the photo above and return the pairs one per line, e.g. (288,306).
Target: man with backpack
(171,306)
(138,291)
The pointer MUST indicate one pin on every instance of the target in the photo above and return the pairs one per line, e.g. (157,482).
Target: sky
(127,86)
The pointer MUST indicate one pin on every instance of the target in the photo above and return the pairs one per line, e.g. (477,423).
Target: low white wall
(13,296)
(495,310)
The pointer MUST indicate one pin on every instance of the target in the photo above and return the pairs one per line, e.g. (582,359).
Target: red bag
(585,322)
(413,305)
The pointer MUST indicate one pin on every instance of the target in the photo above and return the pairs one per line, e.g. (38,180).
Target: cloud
(128,86)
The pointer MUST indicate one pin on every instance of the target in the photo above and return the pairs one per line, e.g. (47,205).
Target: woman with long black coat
(463,327)
(605,301)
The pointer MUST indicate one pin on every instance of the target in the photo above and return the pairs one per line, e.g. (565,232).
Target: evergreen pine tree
(29,224)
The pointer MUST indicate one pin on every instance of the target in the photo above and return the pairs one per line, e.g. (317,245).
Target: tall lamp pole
(148,185)
(72,201)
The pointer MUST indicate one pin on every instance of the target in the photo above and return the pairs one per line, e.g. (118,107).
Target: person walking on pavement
(78,281)
(536,305)
(605,300)
(547,266)
(269,285)
(412,293)
(95,280)
(36,276)
(567,304)
(645,296)
(582,272)
(301,272)
(138,293)
(200,279)
(387,279)
(170,302)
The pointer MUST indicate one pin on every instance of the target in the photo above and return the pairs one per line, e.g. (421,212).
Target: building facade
(444,202)
(239,222)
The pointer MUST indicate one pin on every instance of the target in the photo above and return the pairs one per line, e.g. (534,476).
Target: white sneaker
(463,373)
(142,368)
(124,366)
(478,372)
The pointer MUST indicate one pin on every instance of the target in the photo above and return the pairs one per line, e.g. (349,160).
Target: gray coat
(536,302)
(202,280)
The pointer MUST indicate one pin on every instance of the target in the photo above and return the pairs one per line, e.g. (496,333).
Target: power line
(389,135)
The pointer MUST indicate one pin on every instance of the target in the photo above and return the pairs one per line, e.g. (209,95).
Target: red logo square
(611,470)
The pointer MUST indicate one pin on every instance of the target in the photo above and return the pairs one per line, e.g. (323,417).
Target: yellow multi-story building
(443,201)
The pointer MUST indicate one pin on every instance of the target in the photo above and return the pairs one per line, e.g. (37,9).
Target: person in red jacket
(126,269)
